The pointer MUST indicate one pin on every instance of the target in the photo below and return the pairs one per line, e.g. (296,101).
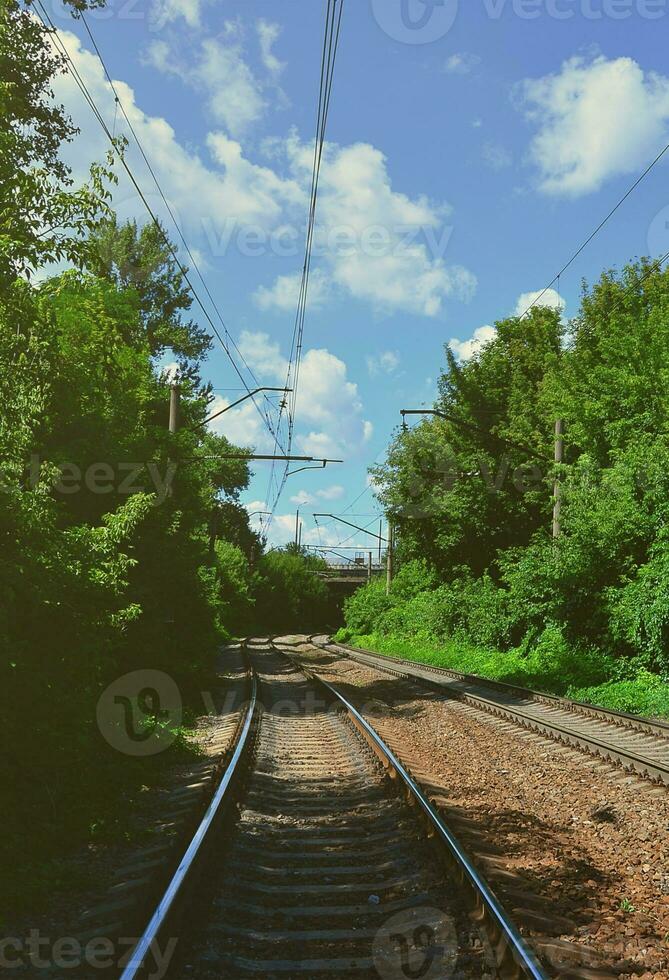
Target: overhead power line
(333,20)
(49,25)
(556,278)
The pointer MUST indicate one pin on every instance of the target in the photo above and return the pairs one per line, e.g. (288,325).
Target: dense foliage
(122,546)
(471,493)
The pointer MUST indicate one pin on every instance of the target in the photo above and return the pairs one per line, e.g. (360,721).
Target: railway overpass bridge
(343,580)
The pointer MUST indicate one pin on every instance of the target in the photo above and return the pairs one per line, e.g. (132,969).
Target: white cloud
(166,11)
(320,445)
(215,196)
(387,362)
(205,197)
(263,354)
(550,298)
(283,294)
(465,349)
(268,35)
(461,63)
(220,72)
(496,156)
(596,119)
(328,405)
(283,532)
(380,245)
(255,505)
(335,492)
(302,498)
(243,426)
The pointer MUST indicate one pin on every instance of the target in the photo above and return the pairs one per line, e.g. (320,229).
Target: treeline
(472,494)
(122,546)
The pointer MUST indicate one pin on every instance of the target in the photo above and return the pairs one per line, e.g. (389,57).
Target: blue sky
(471,148)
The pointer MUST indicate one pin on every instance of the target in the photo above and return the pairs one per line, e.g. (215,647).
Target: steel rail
(523,956)
(650,725)
(174,889)
(629,759)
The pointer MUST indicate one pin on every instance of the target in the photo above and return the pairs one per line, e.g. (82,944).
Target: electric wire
(596,231)
(328,62)
(118,104)
(49,25)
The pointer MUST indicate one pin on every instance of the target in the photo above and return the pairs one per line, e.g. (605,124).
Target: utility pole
(297,529)
(389,558)
(174,407)
(369,567)
(380,535)
(173,425)
(557,489)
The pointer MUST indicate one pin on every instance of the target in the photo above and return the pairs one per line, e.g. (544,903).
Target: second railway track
(638,745)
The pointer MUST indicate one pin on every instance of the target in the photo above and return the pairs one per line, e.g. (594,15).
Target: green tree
(140,259)
(42,218)
(462,488)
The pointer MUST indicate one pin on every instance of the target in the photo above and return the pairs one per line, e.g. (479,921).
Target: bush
(235,588)
(646,694)
(414,577)
(639,611)
(363,609)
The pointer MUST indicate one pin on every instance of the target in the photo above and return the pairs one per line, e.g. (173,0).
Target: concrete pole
(557,490)
(173,425)
(297,529)
(174,407)
(369,567)
(389,558)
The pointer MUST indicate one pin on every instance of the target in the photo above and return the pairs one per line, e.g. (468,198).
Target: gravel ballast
(577,839)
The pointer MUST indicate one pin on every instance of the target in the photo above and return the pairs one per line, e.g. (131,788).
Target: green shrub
(363,609)
(639,610)
(551,666)
(412,578)
(289,593)
(646,694)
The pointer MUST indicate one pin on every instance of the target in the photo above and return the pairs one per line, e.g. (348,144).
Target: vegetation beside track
(496,580)
(643,694)
(577,599)
(123,547)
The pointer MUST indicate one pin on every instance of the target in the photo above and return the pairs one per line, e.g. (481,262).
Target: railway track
(638,745)
(336,864)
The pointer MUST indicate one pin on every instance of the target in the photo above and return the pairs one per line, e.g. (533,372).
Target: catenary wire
(49,25)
